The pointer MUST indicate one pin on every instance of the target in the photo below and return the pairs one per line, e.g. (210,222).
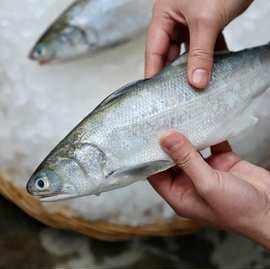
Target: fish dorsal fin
(116,94)
(182,59)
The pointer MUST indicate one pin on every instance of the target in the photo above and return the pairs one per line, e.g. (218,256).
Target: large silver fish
(118,143)
(88,26)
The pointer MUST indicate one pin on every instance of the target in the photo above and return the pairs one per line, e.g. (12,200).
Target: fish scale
(118,143)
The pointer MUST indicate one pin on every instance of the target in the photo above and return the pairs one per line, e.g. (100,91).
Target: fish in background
(118,142)
(89,26)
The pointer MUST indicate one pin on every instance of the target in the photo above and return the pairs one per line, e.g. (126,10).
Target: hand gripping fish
(118,142)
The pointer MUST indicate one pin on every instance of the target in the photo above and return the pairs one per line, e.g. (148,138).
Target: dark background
(26,244)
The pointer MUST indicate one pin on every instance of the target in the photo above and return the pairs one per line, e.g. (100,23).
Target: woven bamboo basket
(62,217)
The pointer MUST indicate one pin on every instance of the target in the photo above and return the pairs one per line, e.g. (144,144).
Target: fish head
(64,42)
(68,174)
(44,51)
(45,183)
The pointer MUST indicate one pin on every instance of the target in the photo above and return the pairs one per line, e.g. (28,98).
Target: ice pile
(39,105)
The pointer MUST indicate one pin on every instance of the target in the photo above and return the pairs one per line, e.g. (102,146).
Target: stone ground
(27,244)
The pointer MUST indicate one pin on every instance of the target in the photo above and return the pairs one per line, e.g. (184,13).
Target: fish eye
(42,184)
(40,50)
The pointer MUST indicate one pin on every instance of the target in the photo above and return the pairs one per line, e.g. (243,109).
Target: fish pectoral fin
(143,170)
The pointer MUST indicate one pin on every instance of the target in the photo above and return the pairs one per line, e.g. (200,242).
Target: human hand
(196,22)
(223,190)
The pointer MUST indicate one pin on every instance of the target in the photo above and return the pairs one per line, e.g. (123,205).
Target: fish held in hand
(89,26)
(118,143)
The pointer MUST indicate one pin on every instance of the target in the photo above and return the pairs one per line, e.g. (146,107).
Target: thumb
(204,178)
(203,38)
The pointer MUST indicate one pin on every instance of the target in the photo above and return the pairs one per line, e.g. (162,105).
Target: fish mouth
(53,197)
(32,56)
(43,62)
(47,196)
(41,196)
(56,198)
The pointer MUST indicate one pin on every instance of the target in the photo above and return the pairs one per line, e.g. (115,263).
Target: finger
(179,40)
(223,161)
(157,45)
(173,53)
(190,161)
(179,192)
(223,147)
(203,38)
(162,183)
(164,34)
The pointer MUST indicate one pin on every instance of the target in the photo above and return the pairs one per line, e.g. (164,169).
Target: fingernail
(200,78)
(171,140)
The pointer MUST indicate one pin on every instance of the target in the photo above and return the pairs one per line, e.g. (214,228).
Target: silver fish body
(89,26)
(118,143)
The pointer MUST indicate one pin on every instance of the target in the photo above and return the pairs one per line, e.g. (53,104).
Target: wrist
(261,232)
(264,234)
